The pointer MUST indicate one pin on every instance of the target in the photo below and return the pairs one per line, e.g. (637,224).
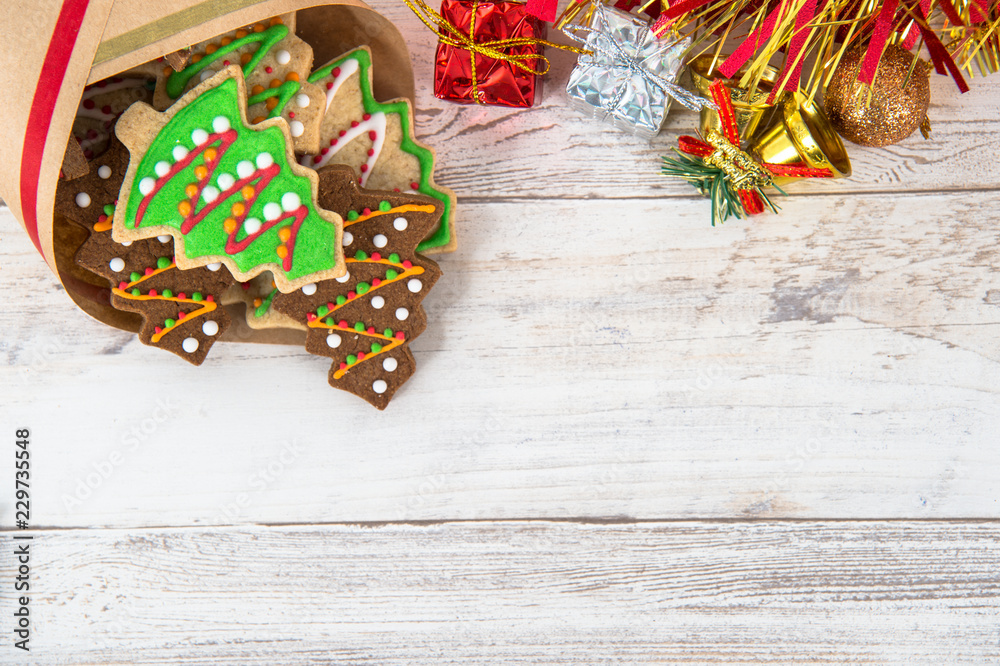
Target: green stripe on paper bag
(167,26)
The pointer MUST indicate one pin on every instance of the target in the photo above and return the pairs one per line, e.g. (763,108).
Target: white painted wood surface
(595,350)
(566,593)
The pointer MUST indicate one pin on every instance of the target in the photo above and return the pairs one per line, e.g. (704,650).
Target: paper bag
(53,48)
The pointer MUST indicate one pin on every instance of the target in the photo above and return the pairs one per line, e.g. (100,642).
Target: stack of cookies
(235,173)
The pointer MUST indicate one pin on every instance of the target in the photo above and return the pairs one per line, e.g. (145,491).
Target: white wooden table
(632,437)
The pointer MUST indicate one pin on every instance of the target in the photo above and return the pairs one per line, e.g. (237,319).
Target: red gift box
(495,82)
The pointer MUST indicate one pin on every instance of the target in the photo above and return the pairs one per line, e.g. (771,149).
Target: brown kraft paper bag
(56,47)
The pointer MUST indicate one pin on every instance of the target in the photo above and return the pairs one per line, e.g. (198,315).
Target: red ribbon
(752,202)
(791,74)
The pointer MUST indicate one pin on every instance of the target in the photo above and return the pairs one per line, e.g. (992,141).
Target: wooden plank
(520,592)
(600,359)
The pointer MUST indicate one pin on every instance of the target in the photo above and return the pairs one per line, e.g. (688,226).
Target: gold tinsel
(888,112)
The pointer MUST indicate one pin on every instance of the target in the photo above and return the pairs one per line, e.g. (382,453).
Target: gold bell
(803,135)
(750,110)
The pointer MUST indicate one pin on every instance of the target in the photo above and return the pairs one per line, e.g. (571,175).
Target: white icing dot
(283,57)
(290,201)
(389,364)
(210,327)
(214,267)
(179,153)
(199,136)
(125,243)
(414,285)
(82,199)
(264,160)
(146,185)
(379,386)
(380,240)
(190,345)
(297,128)
(333,340)
(226,181)
(161,168)
(220,124)
(252,225)
(378,302)
(344,278)
(163,239)
(117,264)
(272,211)
(210,194)
(402,314)
(400,224)
(348,238)
(302,100)
(309,289)
(207,74)
(244,169)
(104,172)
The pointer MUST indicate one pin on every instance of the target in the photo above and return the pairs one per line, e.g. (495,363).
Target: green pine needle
(711,182)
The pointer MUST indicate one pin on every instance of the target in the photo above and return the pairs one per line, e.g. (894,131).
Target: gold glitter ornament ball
(899,98)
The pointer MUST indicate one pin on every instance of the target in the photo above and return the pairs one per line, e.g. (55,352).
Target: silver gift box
(623,81)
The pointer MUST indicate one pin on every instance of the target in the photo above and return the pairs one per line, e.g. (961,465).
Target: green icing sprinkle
(341,299)
(384,206)
(391,274)
(394,258)
(329,321)
(351,359)
(285,92)
(352,215)
(162,262)
(196,296)
(360,255)
(134,277)
(177,81)
(362,288)
(322,311)
(359,326)
(109,210)
(265,305)
(167,293)
(387,332)
(169,323)
(136,292)
(376,347)
(442,235)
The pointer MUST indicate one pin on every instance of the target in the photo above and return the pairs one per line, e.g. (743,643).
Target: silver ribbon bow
(629,65)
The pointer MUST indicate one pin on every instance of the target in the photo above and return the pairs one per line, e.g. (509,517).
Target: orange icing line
(155,272)
(408,208)
(206,307)
(103,226)
(340,372)
(416,270)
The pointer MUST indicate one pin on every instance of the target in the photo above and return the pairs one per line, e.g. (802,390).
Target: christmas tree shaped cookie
(275,65)
(365,319)
(180,309)
(377,141)
(227,192)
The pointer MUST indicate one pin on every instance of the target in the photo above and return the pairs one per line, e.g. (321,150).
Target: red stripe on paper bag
(43,105)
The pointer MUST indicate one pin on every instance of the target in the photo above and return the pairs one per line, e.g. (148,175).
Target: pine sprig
(711,182)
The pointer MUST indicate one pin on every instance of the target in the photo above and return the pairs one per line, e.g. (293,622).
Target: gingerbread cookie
(377,140)
(225,191)
(180,309)
(365,319)
(103,102)
(275,65)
